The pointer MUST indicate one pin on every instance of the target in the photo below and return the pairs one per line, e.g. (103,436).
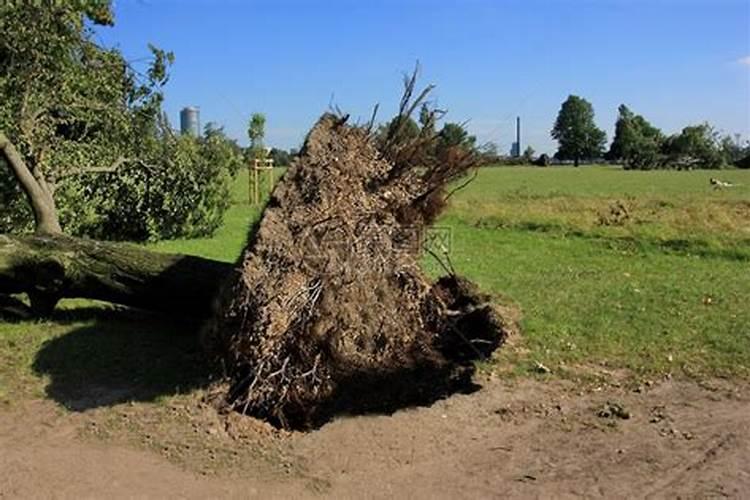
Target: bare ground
(510,439)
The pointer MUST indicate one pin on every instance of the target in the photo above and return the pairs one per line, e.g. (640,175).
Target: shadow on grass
(124,355)
(114,355)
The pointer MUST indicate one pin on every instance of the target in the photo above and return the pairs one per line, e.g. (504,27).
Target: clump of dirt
(618,214)
(329,311)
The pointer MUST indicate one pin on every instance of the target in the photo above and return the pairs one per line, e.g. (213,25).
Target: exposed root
(329,311)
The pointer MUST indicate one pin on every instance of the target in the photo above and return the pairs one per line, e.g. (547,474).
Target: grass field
(643,271)
(663,289)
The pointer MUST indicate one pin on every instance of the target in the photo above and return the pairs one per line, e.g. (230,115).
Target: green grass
(598,181)
(663,290)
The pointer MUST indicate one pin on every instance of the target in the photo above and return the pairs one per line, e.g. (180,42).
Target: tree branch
(38,194)
(113,167)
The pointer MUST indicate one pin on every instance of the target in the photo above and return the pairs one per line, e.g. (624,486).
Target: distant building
(190,121)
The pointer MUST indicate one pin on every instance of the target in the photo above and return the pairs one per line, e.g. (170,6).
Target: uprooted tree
(327,309)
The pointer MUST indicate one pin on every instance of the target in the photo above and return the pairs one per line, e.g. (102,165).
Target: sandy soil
(523,439)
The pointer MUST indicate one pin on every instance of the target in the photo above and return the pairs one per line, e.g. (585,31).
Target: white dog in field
(718,184)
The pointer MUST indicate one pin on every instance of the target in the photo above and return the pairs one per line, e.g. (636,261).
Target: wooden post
(269,169)
(257,178)
(255,188)
(250,183)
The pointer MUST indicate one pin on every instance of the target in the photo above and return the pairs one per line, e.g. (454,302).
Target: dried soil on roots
(329,311)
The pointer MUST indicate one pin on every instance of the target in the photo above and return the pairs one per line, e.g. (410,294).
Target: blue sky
(677,62)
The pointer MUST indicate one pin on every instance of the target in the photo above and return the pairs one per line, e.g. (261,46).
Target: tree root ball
(328,310)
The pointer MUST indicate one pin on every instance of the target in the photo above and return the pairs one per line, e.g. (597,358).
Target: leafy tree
(528,155)
(280,157)
(220,149)
(256,131)
(82,134)
(697,146)
(733,150)
(637,143)
(400,129)
(542,161)
(186,196)
(67,104)
(575,131)
(489,153)
(213,129)
(454,135)
(623,134)
(640,145)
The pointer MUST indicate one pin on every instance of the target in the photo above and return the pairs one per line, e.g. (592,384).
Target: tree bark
(49,268)
(36,190)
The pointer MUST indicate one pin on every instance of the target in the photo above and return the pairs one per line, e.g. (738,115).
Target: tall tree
(623,134)
(256,131)
(576,133)
(528,155)
(400,128)
(221,149)
(733,149)
(455,135)
(637,143)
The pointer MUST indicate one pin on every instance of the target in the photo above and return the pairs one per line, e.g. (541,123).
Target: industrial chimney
(518,135)
(515,149)
(190,121)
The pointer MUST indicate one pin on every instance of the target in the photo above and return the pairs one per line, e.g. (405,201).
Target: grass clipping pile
(329,311)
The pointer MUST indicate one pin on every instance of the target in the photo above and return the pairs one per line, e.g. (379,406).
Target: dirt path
(526,439)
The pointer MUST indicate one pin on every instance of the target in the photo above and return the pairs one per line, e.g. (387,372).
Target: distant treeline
(282,157)
(637,145)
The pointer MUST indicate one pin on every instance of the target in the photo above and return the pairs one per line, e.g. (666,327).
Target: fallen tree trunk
(49,268)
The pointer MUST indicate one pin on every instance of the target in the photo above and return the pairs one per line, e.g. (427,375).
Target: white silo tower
(190,121)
